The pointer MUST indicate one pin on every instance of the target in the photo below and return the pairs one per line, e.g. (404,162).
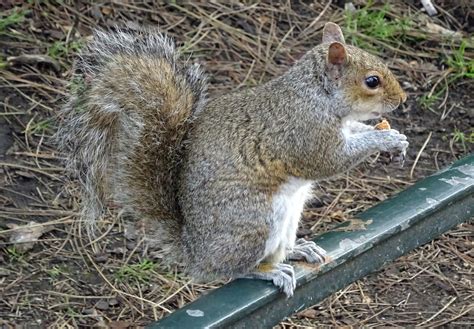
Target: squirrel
(221,183)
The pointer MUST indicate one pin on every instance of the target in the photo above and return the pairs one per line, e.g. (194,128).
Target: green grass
(373,23)
(71,312)
(56,271)
(40,127)
(426,101)
(7,19)
(17,16)
(15,255)
(60,48)
(140,272)
(3,63)
(462,66)
(462,138)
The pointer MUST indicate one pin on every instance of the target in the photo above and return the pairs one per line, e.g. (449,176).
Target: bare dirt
(66,280)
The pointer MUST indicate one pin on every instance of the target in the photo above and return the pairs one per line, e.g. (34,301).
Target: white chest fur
(288,204)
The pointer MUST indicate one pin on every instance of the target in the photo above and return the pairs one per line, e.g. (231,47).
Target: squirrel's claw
(309,251)
(400,158)
(282,276)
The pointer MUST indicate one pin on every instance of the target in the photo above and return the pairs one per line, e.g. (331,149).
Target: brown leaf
(309,313)
(24,237)
(106,10)
(438,29)
(355,224)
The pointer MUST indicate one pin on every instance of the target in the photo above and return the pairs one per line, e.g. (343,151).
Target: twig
(419,154)
(438,313)
(305,31)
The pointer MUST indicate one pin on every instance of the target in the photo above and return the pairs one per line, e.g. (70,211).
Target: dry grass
(66,280)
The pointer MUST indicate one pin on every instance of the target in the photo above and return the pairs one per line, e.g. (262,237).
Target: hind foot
(282,276)
(308,251)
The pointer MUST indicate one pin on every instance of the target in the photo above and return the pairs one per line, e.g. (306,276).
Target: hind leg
(301,249)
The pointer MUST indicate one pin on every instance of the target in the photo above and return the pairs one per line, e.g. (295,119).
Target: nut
(383,125)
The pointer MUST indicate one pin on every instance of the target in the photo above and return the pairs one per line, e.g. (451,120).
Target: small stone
(419,130)
(102,305)
(118,251)
(101,258)
(113,302)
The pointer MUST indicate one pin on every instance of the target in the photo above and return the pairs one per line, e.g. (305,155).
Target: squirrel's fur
(221,183)
(133,100)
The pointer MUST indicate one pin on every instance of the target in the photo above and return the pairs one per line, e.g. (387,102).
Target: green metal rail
(394,227)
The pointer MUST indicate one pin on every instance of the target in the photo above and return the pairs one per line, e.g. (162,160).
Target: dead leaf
(263,19)
(355,224)
(438,29)
(106,10)
(309,313)
(24,237)
(367,300)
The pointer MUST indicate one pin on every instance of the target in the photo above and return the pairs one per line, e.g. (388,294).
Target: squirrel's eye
(372,82)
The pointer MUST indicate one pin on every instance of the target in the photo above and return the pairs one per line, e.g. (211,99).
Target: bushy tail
(132,103)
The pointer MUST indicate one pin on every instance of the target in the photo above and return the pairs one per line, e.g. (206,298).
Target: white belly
(288,204)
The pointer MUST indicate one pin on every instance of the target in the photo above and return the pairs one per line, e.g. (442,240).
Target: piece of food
(382,125)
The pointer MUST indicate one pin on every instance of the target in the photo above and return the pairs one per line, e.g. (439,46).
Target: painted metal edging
(394,227)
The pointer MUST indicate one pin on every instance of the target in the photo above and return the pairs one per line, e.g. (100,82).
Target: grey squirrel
(221,183)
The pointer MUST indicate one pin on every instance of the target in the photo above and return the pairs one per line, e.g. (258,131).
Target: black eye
(372,82)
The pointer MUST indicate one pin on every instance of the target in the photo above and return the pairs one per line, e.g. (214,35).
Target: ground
(67,280)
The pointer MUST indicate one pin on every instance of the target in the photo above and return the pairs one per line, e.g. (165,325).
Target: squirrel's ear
(337,53)
(332,32)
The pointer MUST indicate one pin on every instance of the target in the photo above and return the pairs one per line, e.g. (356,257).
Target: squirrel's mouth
(376,114)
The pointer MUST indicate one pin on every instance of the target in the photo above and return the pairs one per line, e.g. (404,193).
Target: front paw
(391,141)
